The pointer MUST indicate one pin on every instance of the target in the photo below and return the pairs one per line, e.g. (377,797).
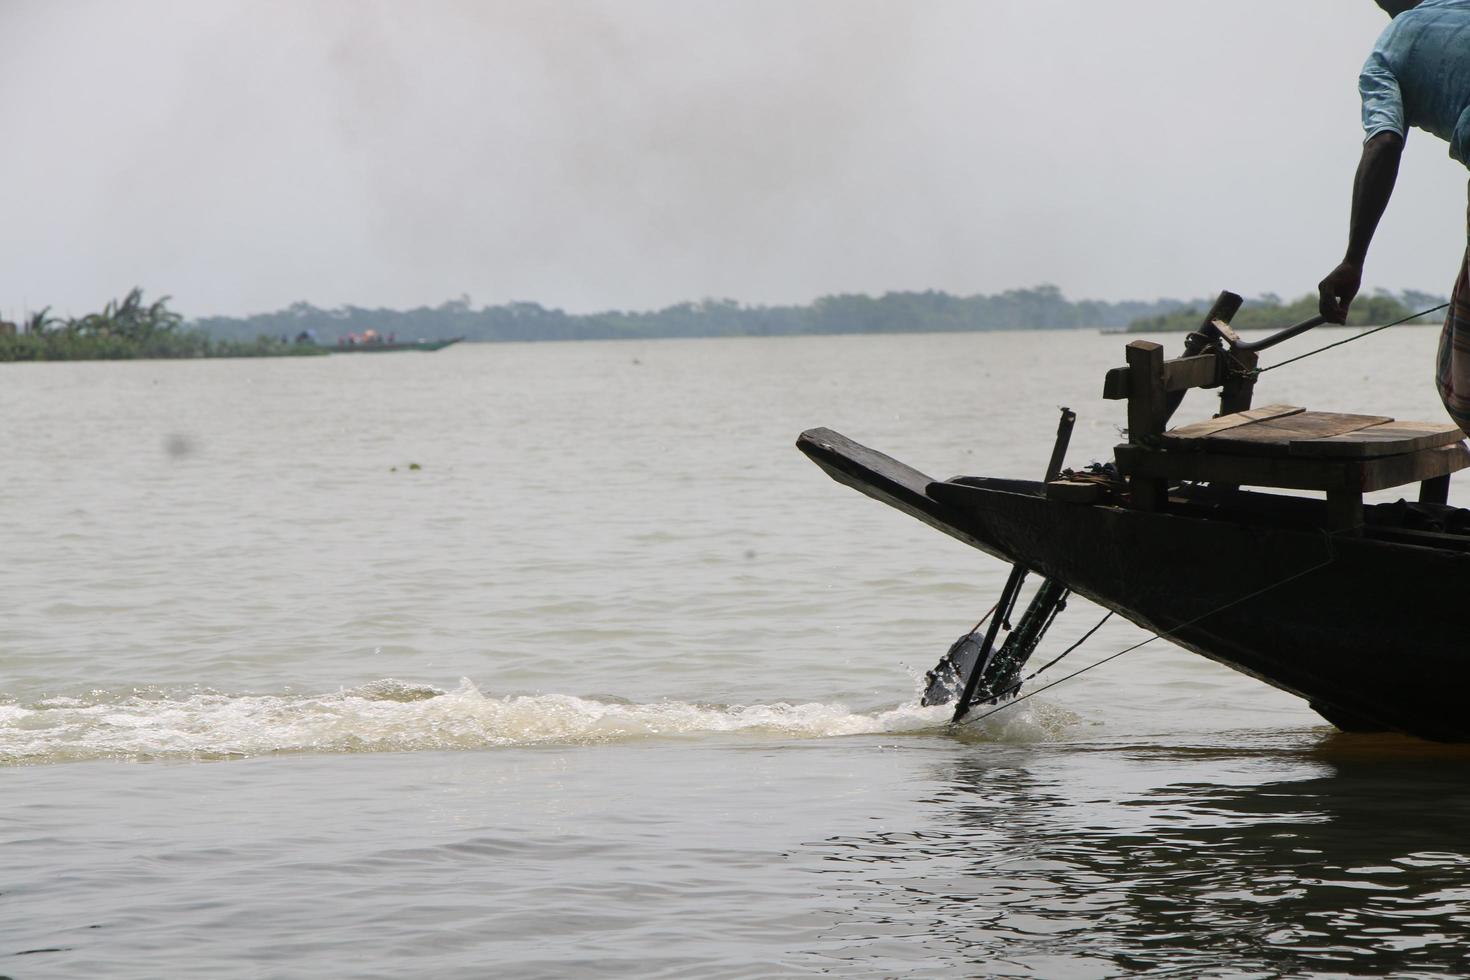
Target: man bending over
(1418,75)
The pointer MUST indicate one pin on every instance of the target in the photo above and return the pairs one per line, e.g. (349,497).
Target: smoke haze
(597,154)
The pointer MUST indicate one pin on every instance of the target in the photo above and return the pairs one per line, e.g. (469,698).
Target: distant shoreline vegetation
(1270,312)
(128,329)
(1041,308)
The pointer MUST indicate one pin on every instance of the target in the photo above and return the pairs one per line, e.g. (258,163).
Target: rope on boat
(1058,658)
(1331,557)
(1256,372)
(985,617)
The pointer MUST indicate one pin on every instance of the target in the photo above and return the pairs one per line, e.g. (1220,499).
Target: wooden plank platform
(1285,430)
(1184,436)
(1388,439)
(1281,446)
(1274,436)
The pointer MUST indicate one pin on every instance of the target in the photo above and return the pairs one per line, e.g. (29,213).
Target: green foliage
(1270,313)
(127,329)
(40,322)
(127,319)
(1043,307)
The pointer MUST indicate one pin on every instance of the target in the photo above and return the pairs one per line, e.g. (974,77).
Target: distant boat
(378,346)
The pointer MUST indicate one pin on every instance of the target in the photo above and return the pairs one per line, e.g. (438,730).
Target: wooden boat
(1355,608)
(381,346)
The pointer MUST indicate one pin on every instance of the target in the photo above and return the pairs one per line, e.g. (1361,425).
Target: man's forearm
(1378,171)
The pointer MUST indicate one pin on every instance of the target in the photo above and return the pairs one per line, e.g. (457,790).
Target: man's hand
(1336,292)
(1378,170)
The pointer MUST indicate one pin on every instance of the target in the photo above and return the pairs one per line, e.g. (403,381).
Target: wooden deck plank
(1389,439)
(1273,437)
(1198,430)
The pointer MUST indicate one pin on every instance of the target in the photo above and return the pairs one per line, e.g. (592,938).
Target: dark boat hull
(1368,631)
(386,347)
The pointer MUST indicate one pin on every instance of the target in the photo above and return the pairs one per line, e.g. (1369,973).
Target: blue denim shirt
(1419,75)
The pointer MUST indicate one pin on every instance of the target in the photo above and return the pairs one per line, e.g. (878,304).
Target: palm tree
(128,319)
(40,322)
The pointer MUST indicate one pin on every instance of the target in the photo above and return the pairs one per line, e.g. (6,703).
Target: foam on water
(394,716)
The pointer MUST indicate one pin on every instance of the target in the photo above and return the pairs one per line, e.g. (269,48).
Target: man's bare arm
(1378,171)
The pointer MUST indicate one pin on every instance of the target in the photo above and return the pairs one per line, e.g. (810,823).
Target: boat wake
(395,716)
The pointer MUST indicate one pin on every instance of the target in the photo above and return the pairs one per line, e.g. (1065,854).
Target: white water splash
(393,716)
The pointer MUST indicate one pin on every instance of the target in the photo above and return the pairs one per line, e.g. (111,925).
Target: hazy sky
(598,154)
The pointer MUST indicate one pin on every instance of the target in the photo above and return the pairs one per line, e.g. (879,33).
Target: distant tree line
(1041,308)
(131,328)
(126,329)
(1270,312)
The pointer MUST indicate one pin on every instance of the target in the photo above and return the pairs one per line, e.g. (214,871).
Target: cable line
(1359,336)
(1331,557)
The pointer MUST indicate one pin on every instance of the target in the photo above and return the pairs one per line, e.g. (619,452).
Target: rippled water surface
(558,660)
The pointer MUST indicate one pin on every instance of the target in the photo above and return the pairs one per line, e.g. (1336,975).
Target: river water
(558,660)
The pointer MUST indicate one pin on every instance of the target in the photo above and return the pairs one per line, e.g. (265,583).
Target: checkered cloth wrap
(1452,369)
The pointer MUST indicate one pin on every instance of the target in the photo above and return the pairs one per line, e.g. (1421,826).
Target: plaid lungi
(1452,368)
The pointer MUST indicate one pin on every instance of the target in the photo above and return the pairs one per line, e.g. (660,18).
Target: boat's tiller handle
(1258,345)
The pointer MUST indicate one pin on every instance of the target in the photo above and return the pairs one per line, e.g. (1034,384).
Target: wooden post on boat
(1240,384)
(1147,411)
(1059,446)
(1435,490)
